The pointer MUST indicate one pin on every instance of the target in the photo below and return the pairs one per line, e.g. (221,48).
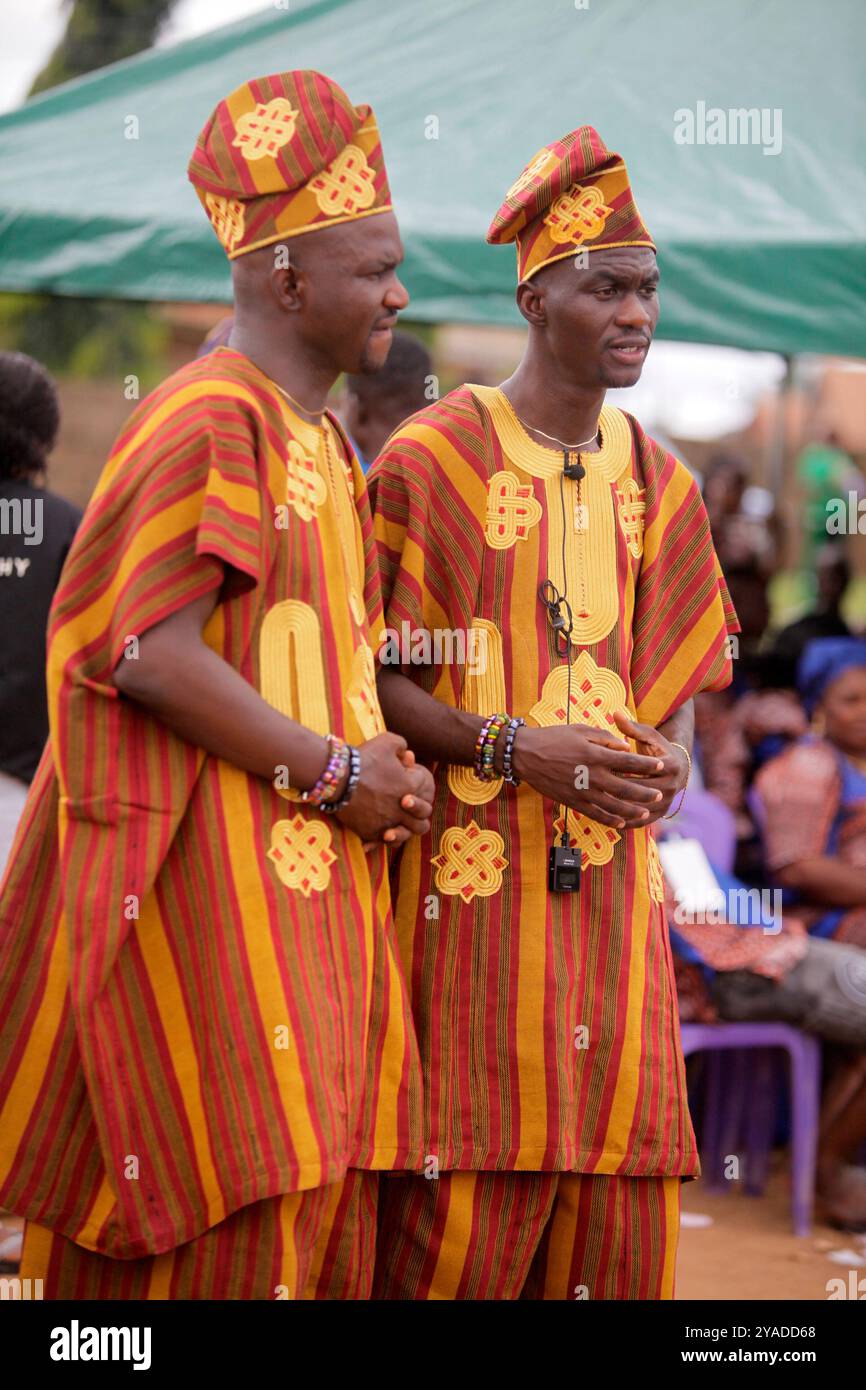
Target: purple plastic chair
(704,817)
(740,1104)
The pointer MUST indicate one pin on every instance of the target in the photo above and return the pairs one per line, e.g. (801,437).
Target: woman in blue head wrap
(813,796)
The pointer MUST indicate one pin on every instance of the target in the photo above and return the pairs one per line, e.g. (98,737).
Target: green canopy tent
(762,243)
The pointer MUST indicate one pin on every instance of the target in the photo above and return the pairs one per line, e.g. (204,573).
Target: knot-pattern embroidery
(305,486)
(227,219)
(301,853)
(578,215)
(596,693)
(264,131)
(470,861)
(512,511)
(631,507)
(595,841)
(347,185)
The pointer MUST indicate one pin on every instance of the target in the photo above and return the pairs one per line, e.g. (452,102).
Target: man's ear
(287,280)
(530,302)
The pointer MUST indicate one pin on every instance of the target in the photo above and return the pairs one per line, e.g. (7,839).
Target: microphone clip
(574,471)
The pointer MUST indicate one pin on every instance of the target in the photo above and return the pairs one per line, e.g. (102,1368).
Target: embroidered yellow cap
(574,195)
(287,154)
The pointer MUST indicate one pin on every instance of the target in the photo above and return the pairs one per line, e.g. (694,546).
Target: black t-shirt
(36,531)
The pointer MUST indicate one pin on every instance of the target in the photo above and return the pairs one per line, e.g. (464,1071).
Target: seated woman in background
(813,803)
(813,796)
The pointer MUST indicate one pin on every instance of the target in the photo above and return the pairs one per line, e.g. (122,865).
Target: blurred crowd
(778,804)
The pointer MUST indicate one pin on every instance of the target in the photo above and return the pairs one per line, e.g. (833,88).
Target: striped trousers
(314,1244)
(468,1235)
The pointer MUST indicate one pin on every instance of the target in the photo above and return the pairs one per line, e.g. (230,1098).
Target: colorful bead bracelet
(507,765)
(325,789)
(485,747)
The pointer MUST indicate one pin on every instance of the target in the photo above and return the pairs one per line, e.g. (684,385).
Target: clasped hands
(594,772)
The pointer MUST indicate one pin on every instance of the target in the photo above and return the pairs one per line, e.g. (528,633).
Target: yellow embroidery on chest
(631,506)
(305,486)
(347,185)
(654,869)
(596,693)
(470,862)
(301,853)
(483,693)
(512,511)
(590,554)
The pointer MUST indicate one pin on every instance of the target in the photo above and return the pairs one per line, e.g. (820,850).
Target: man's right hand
(394,797)
(587,770)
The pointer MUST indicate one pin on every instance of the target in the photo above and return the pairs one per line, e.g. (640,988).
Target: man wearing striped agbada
(575,553)
(205,1042)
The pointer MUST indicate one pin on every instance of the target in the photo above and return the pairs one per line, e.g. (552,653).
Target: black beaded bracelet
(330,807)
(510,735)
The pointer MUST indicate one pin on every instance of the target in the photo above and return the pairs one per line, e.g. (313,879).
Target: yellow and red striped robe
(547,1023)
(200,1001)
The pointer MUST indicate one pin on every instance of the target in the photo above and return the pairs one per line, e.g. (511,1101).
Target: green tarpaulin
(762,242)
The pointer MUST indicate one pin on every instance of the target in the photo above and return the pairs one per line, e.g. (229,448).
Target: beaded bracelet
(330,807)
(325,789)
(507,766)
(485,747)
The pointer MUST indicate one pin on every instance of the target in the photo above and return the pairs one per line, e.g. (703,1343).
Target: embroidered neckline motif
(590,552)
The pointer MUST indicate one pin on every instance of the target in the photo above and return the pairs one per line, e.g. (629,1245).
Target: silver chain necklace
(533,429)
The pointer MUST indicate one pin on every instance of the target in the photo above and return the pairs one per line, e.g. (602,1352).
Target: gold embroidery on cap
(264,131)
(536,168)
(347,185)
(300,850)
(305,486)
(578,215)
(512,511)
(470,862)
(227,218)
(630,510)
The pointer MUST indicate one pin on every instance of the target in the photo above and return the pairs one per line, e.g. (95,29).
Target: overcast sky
(29,30)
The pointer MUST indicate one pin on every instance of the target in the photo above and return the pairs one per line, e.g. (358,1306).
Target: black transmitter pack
(563,869)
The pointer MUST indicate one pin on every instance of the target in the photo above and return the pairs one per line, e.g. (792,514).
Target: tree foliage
(99,32)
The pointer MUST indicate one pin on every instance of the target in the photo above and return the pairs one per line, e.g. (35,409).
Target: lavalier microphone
(575,471)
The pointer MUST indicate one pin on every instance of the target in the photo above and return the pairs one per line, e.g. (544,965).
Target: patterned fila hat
(573,196)
(287,154)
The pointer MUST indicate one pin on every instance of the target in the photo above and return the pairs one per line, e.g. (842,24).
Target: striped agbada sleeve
(683,612)
(182,504)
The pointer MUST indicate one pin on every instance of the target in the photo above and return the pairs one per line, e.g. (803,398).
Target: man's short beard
(366,366)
